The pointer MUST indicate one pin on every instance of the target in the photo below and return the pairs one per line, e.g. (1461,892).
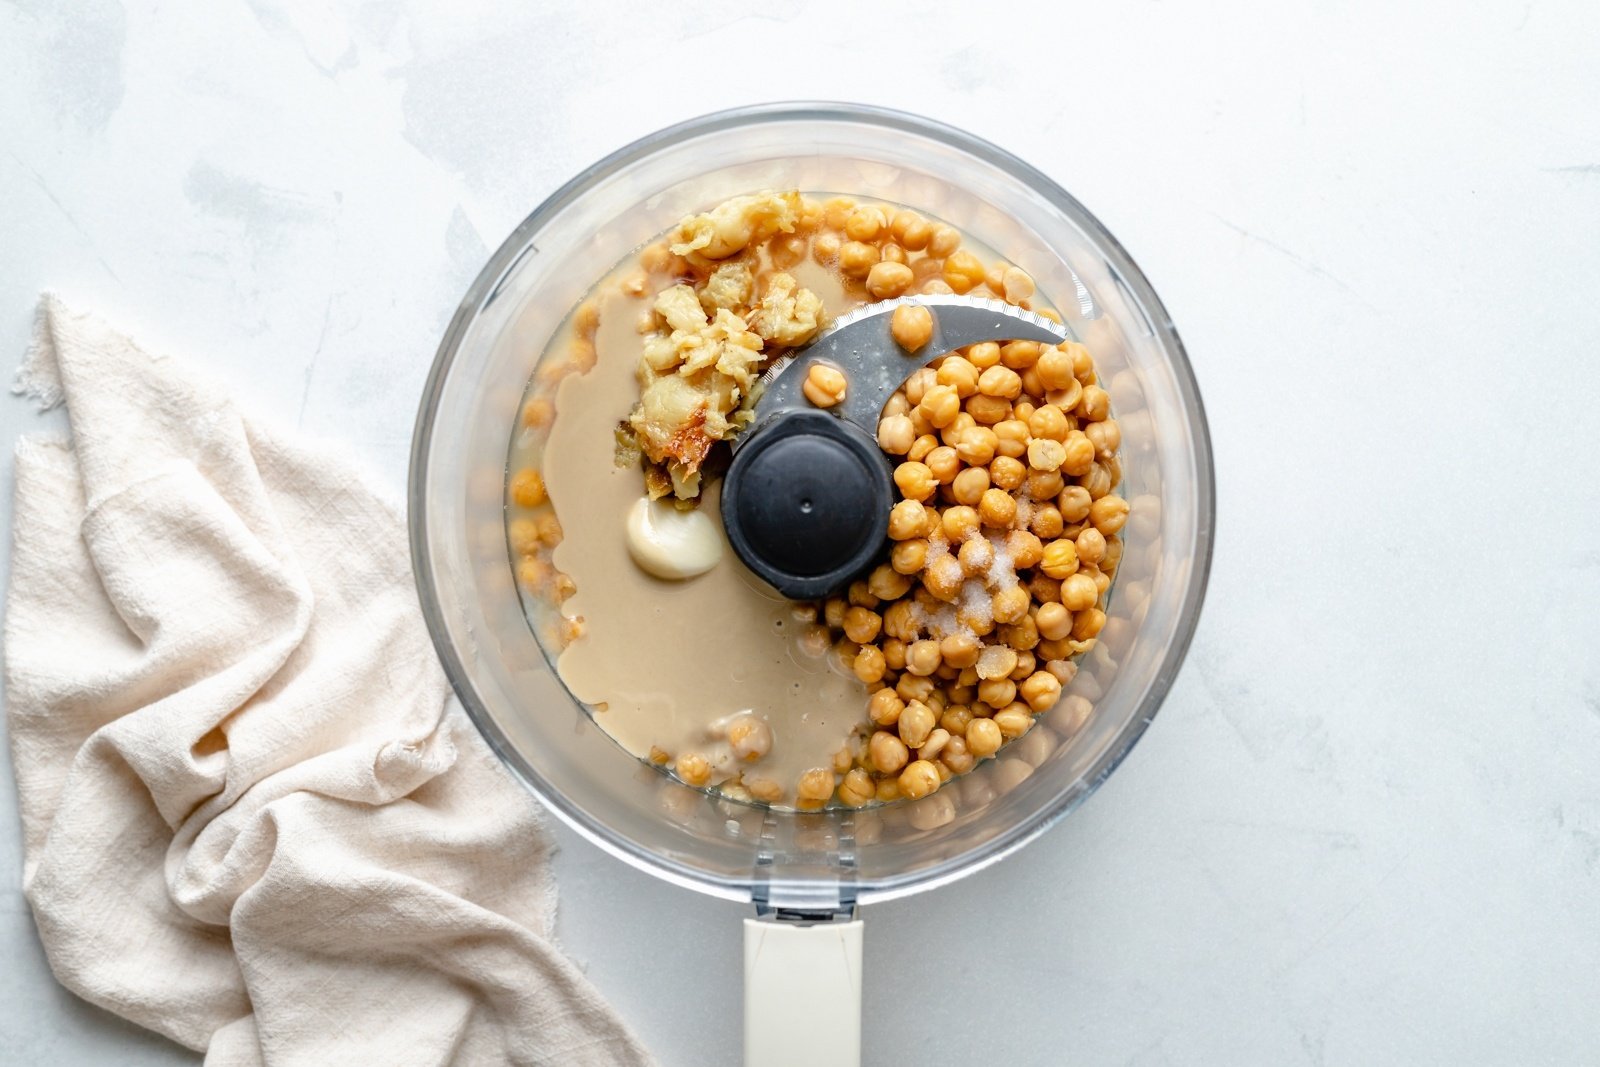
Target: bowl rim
(1127,273)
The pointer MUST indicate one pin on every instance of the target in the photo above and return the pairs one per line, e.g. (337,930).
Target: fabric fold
(254,819)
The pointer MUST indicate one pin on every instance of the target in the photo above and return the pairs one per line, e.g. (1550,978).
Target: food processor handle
(802,993)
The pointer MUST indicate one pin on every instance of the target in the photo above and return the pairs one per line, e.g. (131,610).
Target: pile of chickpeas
(1005,539)
(1006,536)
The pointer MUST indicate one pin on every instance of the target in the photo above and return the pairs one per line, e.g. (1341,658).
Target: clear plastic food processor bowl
(790,863)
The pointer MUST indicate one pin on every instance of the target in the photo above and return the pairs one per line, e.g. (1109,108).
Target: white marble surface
(1366,827)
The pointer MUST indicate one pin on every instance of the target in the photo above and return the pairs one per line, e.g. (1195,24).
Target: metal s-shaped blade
(861,346)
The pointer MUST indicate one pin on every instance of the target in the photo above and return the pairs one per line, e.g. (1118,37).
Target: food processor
(805,874)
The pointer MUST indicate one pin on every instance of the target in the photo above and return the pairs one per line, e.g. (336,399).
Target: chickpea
(935,743)
(836,211)
(1102,580)
(786,249)
(694,769)
(996,661)
(1013,437)
(549,528)
(969,485)
(989,410)
(749,737)
(1026,549)
(922,659)
(1113,554)
(1046,522)
(1088,623)
(862,625)
(976,556)
(538,413)
(833,610)
(863,224)
(919,779)
(927,269)
(906,520)
(958,371)
(826,248)
(936,287)
(943,578)
(886,584)
(1000,381)
(945,239)
(940,405)
(977,447)
(1010,605)
(884,707)
(952,434)
(1026,665)
(911,326)
(857,259)
(869,665)
(888,279)
(959,523)
(1106,436)
(1095,404)
(1109,514)
(944,463)
(894,654)
(1091,545)
(1013,721)
(1079,593)
(915,481)
(816,784)
(955,718)
(997,692)
(1055,369)
(960,650)
(856,789)
(1024,408)
(1042,485)
(916,723)
(1041,690)
(1097,481)
(527,488)
(824,385)
(887,752)
(1046,455)
(924,443)
(1074,503)
(1008,473)
(956,756)
(983,738)
(1060,559)
(912,230)
(523,536)
(1016,285)
(1054,621)
(915,687)
(532,572)
(897,404)
(1031,385)
(907,557)
(963,271)
(860,596)
(997,508)
(1019,355)
(983,355)
(1048,421)
(896,434)
(565,587)
(1068,398)
(1077,454)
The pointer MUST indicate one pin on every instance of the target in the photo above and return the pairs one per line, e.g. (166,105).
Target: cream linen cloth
(254,820)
